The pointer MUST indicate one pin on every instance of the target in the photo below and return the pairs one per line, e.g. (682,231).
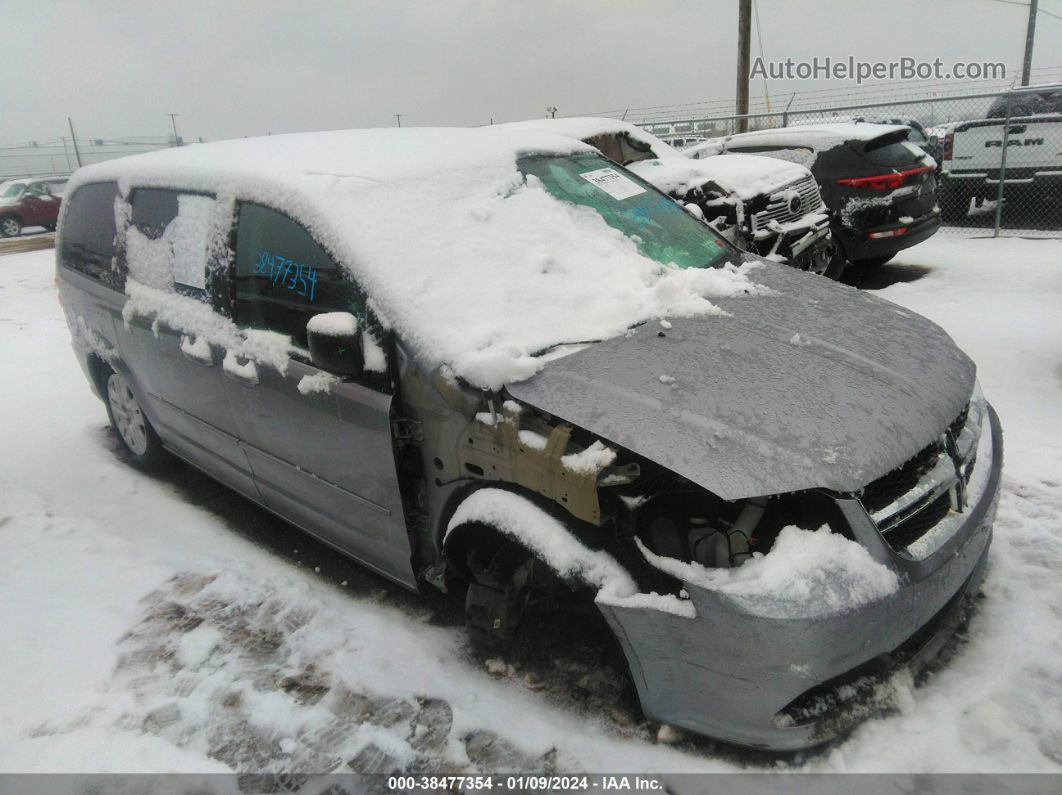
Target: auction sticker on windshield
(613,183)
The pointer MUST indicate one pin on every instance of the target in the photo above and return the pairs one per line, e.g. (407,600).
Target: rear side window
(168,241)
(284,277)
(89,231)
(153,210)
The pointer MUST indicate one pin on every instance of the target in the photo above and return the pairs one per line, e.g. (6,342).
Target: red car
(30,202)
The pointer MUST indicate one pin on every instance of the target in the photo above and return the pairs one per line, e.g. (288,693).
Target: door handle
(244,372)
(196,349)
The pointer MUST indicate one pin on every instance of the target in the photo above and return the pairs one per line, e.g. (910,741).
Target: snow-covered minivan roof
(474,265)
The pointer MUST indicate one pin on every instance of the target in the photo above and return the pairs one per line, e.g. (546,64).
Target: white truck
(973,156)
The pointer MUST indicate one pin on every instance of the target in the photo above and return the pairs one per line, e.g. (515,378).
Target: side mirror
(335,343)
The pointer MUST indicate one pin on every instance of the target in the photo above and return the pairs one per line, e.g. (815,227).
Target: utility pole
(77,152)
(552,111)
(67,153)
(1030,33)
(173,121)
(744,34)
(398,118)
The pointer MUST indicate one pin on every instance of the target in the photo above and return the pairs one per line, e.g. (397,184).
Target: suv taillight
(885,181)
(949,145)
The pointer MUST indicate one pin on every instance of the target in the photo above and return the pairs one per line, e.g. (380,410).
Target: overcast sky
(246,68)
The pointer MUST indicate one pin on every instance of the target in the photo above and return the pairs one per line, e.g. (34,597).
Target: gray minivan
(498,364)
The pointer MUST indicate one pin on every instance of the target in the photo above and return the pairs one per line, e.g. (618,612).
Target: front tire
(837,264)
(507,584)
(139,444)
(10,226)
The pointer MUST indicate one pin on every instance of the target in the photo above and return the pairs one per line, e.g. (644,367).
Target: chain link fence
(999,154)
(60,156)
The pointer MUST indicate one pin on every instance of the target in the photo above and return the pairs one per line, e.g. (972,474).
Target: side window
(153,210)
(88,233)
(167,243)
(284,277)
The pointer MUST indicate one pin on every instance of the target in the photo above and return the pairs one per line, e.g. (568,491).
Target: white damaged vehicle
(495,363)
(760,204)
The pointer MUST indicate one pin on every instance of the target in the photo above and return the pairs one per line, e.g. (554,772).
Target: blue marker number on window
(281,271)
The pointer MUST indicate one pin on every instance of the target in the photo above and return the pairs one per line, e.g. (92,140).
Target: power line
(1026,5)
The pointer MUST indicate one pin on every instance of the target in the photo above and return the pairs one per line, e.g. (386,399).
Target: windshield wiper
(556,345)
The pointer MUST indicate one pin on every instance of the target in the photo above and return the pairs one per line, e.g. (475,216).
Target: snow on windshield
(482,269)
(472,265)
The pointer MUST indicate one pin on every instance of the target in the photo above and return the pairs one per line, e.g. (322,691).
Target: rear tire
(138,443)
(10,226)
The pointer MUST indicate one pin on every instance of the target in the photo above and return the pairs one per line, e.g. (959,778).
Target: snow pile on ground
(473,266)
(745,176)
(805,573)
(560,550)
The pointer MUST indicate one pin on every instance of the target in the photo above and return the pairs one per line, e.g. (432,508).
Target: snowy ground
(153,624)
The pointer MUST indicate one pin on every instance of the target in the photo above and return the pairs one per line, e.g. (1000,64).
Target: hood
(816,385)
(744,176)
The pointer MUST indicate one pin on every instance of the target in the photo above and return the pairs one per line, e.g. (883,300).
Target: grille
(778,209)
(890,487)
(960,422)
(910,530)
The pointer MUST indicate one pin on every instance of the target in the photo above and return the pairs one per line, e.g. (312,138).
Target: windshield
(659,227)
(9,190)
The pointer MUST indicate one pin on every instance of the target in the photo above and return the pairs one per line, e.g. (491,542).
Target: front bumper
(772,682)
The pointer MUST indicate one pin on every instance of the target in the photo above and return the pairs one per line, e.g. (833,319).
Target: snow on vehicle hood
(474,266)
(817,385)
(745,176)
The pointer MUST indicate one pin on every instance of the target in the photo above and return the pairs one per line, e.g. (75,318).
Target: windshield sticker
(613,183)
(300,279)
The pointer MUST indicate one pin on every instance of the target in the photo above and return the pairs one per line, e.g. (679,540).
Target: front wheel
(140,445)
(10,226)
(508,584)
